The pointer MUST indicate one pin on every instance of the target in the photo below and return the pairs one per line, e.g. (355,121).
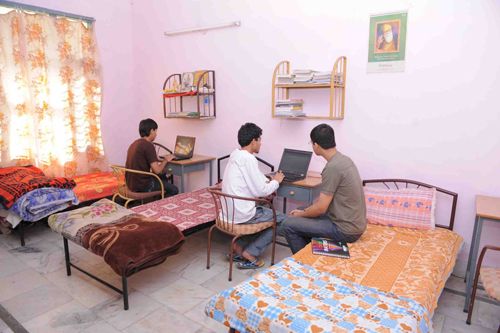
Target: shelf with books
(285,80)
(190,95)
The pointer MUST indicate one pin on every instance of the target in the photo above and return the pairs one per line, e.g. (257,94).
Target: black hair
(324,136)
(145,127)
(247,133)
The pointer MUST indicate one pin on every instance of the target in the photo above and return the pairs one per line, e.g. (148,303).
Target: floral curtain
(50,94)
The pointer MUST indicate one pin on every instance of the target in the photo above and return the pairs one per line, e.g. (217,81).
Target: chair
(126,193)
(160,151)
(227,225)
(490,277)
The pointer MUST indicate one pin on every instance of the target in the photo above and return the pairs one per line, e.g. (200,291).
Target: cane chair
(126,193)
(490,277)
(226,223)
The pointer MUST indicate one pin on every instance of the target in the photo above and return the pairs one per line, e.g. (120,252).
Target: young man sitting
(242,177)
(339,213)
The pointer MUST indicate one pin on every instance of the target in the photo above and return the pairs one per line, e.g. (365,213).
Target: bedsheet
(185,210)
(407,262)
(294,297)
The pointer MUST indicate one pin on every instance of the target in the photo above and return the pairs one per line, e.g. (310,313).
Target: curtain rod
(51,12)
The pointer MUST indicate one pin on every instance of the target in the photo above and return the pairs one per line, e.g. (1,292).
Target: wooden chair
(490,277)
(227,225)
(126,193)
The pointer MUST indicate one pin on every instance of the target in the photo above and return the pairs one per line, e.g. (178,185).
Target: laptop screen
(295,161)
(184,146)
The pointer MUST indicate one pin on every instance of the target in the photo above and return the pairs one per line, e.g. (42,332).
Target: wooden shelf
(307,85)
(281,91)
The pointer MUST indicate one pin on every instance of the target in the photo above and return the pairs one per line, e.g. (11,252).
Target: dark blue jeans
(168,188)
(298,231)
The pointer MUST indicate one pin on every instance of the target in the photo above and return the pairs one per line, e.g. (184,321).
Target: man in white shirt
(242,177)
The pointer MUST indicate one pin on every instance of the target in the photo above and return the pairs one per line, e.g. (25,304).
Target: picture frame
(187,81)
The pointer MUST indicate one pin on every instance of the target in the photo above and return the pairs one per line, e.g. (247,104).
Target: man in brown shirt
(141,155)
(339,213)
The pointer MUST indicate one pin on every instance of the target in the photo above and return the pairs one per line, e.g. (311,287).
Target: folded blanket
(42,202)
(132,243)
(128,241)
(17,181)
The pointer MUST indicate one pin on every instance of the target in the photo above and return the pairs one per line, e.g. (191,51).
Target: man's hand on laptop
(278,176)
(168,157)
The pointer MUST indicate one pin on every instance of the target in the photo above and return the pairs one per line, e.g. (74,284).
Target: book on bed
(329,247)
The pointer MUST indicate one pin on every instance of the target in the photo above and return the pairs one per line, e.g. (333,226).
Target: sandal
(236,258)
(258,263)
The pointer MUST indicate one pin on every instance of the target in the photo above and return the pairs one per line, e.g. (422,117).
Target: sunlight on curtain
(50,94)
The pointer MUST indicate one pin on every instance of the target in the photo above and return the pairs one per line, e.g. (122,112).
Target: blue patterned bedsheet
(292,297)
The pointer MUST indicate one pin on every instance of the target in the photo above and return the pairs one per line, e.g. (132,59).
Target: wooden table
(487,208)
(301,190)
(195,163)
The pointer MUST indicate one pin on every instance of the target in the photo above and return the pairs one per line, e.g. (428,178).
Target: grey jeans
(298,231)
(256,244)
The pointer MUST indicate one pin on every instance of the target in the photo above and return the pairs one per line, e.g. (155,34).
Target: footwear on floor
(236,258)
(258,263)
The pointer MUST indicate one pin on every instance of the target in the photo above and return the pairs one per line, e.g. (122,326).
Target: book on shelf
(289,102)
(329,247)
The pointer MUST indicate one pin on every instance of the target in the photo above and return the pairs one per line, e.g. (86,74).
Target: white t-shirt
(242,177)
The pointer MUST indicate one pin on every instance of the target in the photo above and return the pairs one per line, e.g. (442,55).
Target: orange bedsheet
(94,186)
(406,262)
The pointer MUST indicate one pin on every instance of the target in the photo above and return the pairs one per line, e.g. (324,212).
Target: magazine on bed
(329,247)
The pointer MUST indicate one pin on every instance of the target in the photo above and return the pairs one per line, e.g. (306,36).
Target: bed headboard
(406,183)
(227,156)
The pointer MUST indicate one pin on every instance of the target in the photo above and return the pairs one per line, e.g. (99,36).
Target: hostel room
(249,166)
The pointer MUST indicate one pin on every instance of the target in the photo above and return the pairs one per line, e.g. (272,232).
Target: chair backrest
(125,191)
(224,211)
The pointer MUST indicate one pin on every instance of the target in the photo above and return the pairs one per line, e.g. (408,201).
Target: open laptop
(294,164)
(184,147)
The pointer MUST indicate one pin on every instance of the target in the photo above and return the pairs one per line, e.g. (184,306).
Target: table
(195,163)
(487,208)
(300,190)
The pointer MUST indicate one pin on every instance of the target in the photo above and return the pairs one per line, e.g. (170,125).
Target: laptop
(294,164)
(184,147)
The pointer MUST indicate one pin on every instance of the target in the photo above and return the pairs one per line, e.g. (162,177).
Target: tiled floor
(170,297)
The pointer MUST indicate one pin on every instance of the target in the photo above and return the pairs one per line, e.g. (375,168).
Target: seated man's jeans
(298,231)
(257,243)
(168,188)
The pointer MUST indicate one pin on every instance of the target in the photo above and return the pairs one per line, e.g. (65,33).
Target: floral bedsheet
(293,297)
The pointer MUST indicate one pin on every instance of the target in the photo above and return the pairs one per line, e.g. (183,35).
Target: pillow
(407,208)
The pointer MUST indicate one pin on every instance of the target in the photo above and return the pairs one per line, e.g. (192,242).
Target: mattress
(407,262)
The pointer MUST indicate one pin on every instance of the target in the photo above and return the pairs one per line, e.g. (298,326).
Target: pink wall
(434,123)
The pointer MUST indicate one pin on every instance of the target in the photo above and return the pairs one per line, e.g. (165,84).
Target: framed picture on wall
(187,81)
(387,42)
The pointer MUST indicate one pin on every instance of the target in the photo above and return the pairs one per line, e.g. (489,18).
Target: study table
(487,208)
(300,190)
(195,163)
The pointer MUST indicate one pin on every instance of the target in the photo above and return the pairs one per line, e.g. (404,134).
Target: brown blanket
(132,242)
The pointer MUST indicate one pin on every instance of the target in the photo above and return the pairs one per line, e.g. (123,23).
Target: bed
(391,283)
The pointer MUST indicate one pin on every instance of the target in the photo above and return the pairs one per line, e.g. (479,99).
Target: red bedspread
(17,181)
(94,186)
(185,210)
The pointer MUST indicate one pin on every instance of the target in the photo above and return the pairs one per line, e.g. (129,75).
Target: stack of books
(302,75)
(325,77)
(284,79)
(289,108)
